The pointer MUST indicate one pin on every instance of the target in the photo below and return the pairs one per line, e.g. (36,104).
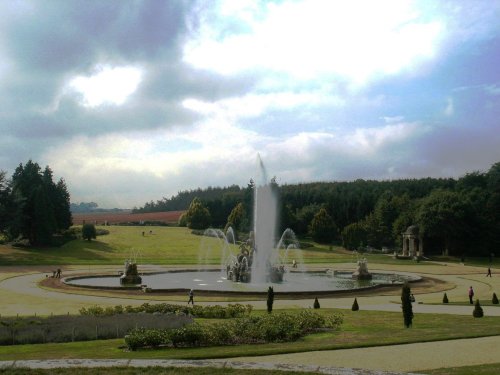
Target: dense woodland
(33,208)
(455,216)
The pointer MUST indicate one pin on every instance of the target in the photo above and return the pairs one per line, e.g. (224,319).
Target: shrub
(478,310)
(209,312)
(494,299)
(355,306)
(135,339)
(190,335)
(316,303)
(88,232)
(279,327)
(445,298)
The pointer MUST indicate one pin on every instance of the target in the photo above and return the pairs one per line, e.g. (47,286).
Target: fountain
(130,275)
(258,262)
(361,272)
(259,258)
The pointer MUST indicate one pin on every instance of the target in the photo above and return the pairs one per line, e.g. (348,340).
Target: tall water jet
(265,220)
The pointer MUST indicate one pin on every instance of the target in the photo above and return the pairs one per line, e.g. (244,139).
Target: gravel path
(408,357)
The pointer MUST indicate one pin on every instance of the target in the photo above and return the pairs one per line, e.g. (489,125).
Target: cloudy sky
(132,101)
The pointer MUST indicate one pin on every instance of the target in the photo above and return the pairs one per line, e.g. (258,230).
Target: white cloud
(392,119)
(356,40)
(450,108)
(109,85)
(254,105)
(216,153)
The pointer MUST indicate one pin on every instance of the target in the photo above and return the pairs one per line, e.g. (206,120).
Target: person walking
(489,272)
(191,297)
(471,295)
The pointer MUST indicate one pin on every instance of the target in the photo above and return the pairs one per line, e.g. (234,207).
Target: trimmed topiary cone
(478,310)
(494,300)
(316,303)
(355,306)
(445,298)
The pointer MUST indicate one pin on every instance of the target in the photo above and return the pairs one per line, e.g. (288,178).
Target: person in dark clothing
(191,297)
(489,272)
(471,295)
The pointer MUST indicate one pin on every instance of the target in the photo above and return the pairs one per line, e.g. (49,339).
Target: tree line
(455,216)
(32,206)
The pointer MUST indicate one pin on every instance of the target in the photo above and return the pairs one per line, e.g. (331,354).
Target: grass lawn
(165,245)
(360,329)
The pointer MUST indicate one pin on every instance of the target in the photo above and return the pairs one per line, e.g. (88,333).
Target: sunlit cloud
(212,151)
(355,40)
(254,105)
(140,100)
(107,85)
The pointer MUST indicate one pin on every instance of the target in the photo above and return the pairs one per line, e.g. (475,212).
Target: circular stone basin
(216,281)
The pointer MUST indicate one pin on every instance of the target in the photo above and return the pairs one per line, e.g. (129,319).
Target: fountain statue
(239,268)
(361,272)
(130,274)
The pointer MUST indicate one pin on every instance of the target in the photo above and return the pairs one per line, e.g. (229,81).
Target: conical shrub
(445,298)
(478,310)
(494,300)
(316,303)
(355,306)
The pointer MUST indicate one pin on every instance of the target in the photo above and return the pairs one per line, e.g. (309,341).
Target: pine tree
(270,299)
(41,207)
(355,306)
(445,298)
(316,303)
(478,310)
(406,304)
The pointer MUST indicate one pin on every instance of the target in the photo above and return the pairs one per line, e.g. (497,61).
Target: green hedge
(209,312)
(276,327)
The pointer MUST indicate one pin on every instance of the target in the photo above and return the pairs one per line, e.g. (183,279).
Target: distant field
(126,217)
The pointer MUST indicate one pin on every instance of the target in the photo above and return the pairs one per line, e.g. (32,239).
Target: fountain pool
(216,281)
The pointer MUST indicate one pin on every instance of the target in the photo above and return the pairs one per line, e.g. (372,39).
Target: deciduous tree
(323,229)
(197,216)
